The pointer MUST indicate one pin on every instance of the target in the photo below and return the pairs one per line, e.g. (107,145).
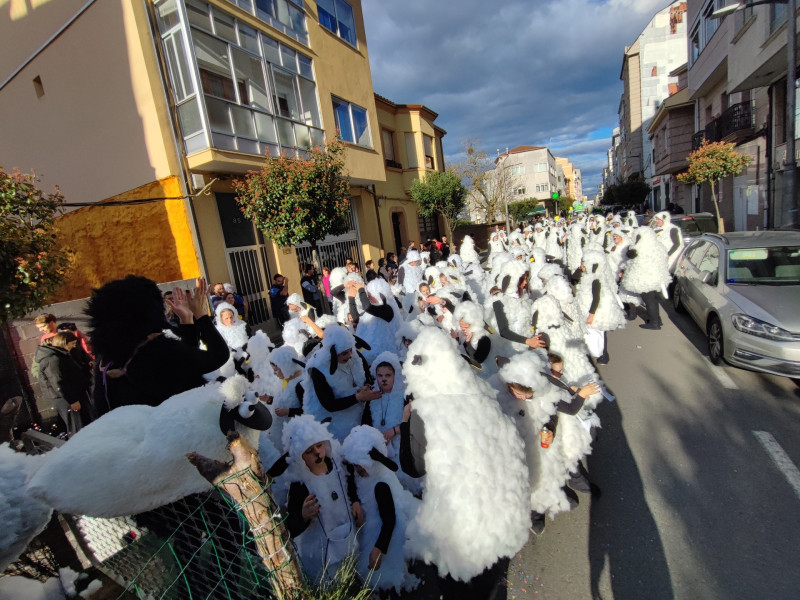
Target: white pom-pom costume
(648,271)
(475,505)
(608,314)
(360,448)
(378,333)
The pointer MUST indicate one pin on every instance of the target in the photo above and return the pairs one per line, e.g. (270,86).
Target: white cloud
(524,72)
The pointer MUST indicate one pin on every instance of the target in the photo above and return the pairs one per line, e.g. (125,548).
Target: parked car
(696,223)
(743,290)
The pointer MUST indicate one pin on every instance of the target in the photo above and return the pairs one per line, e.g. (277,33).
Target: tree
(440,193)
(711,162)
(522,210)
(294,200)
(489,187)
(563,203)
(33,265)
(630,193)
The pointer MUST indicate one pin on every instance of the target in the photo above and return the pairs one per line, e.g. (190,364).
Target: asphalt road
(692,505)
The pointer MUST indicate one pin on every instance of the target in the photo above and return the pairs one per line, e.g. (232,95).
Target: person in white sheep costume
(509,311)
(386,413)
(475,505)
(321,516)
(554,243)
(407,333)
(338,290)
(335,388)
(232,329)
(534,401)
(548,318)
(669,235)
(575,246)
(496,243)
(388,508)
(561,290)
(596,294)
(260,348)
(381,318)
(539,235)
(288,369)
(476,343)
(467,251)
(647,274)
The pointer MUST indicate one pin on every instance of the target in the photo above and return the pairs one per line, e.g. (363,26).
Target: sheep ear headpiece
(242,405)
(337,339)
(365,444)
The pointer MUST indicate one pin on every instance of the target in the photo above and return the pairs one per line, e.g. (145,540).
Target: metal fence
(248,267)
(197,548)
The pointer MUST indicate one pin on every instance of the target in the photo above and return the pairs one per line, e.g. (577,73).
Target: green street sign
(578,206)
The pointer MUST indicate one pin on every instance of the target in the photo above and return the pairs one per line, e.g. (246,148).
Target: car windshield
(771,266)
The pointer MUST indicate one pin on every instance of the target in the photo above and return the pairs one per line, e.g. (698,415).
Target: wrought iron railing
(738,117)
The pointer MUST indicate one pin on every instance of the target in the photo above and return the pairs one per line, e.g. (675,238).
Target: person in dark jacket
(137,364)
(64,381)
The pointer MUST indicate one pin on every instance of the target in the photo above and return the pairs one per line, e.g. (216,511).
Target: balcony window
(777,16)
(519,191)
(244,78)
(337,17)
(387,138)
(351,123)
(411,151)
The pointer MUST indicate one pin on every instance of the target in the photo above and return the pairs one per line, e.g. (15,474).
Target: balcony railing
(738,117)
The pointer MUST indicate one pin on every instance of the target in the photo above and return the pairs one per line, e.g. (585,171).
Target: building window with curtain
(352,124)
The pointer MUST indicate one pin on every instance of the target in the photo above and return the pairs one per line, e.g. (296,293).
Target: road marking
(781,459)
(721,375)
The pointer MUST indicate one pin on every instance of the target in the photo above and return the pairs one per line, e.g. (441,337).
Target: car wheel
(677,303)
(715,343)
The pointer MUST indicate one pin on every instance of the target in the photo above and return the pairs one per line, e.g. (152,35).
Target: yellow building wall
(152,239)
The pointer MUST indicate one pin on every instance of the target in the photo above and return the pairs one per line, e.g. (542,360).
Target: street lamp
(790,164)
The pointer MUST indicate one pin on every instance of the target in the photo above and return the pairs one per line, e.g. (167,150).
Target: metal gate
(334,250)
(250,272)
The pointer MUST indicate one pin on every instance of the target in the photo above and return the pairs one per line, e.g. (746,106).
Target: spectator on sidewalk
(278,294)
(46,324)
(308,283)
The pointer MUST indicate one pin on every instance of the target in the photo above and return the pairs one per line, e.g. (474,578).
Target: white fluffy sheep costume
(648,271)
(665,235)
(475,506)
(609,315)
(472,314)
(133,458)
(574,246)
(517,309)
(331,536)
(365,447)
(378,334)
(548,468)
(344,379)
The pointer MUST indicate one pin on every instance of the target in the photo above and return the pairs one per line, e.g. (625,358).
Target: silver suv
(743,290)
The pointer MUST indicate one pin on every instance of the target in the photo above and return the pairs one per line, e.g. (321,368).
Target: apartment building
(134,108)
(572,183)
(646,67)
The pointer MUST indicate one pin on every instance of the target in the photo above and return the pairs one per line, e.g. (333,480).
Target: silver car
(743,290)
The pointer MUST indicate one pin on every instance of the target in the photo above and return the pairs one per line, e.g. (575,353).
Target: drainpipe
(185,174)
(377,214)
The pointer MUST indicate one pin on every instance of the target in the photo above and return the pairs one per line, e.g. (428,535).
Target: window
(428,144)
(519,191)
(337,17)
(516,170)
(540,168)
(710,24)
(387,139)
(411,151)
(777,16)
(351,123)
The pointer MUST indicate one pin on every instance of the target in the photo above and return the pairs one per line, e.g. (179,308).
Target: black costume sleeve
(576,275)
(572,406)
(384,311)
(295,523)
(502,324)
(338,293)
(674,236)
(595,296)
(401,275)
(552,424)
(216,353)
(352,308)
(481,351)
(412,447)
(383,496)
(279,467)
(325,393)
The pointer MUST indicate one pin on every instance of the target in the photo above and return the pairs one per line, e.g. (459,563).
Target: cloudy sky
(536,72)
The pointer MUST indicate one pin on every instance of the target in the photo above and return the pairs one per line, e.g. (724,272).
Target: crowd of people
(438,412)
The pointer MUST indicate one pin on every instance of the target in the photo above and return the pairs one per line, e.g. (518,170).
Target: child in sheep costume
(260,348)
(325,538)
(476,343)
(545,404)
(388,508)
(296,334)
(596,293)
(289,371)
(669,235)
(496,243)
(338,291)
(407,333)
(381,319)
(561,290)
(475,504)
(332,389)
(647,273)
(234,332)
(554,244)
(539,236)
(575,246)
(509,312)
